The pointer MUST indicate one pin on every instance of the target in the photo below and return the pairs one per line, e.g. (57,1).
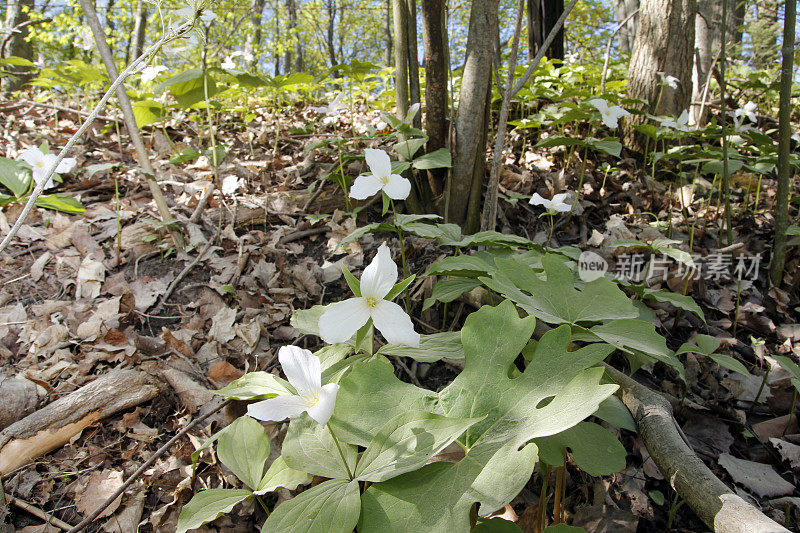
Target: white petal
(378,161)
(365,186)
(321,110)
(336,103)
(617,112)
(38,177)
(600,104)
(31,156)
(380,275)
(610,121)
(537,199)
(277,408)
(562,207)
(323,409)
(684,118)
(342,320)
(66,165)
(302,369)
(398,187)
(559,198)
(395,325)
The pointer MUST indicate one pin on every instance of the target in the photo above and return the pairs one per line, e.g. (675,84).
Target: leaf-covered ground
(84,294)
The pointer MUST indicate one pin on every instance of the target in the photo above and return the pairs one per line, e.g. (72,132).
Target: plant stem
(263,505)
(338,447)
(550,235)
(402,256)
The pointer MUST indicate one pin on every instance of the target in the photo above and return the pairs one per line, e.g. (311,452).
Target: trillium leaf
(449,289)
(554,393)
(306,321)
(309,447)
(244,449)
(555,299)
(279,475)
(399,287)
(408,148)
(446,345)
(613,411)
(209,505)
(15,177)
(256,385)
(330,507)
(440,158)
(406,442)
(726,361)
(594,449)
(479,264)
(61,202)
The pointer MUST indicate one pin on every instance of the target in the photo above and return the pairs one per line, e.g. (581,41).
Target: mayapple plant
(374,438)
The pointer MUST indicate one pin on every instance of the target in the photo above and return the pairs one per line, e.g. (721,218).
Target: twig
(201,205)
(183,273)
(297,235)
(35,511)
(158,453)
(608,49)
(66,109)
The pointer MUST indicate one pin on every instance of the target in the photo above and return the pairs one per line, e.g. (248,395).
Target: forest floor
(81,295)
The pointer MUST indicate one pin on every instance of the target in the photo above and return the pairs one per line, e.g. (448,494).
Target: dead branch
(55,424)
(719,507)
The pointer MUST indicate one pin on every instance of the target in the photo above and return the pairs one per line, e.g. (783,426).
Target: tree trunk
(664,43)
(109,20)
(139,30)
(434,38)
(387,30)
(627,33)
(471,109)
(16,14)
(276,16)
(331,6)
(542,17)
(413,58)
(253,42)
(400,57)
(291,10)
(764,33)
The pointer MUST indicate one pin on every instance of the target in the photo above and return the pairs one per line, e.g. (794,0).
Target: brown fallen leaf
(759,478)
(790,452)
(775,427)
(99,487)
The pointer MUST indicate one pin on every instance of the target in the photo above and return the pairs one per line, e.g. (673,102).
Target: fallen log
(719,507)
(55,424)
(19,399)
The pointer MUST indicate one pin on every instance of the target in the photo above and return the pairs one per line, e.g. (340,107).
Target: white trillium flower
(247,56)
(343,319)
(231,184)
(84,40)
(189,12)
(609,114)
(381,178)
(40,163)
(332,108)
(151,72)
(670,81)
(228,64)
(303,370)
(556,205)
(681,124)
(748,111)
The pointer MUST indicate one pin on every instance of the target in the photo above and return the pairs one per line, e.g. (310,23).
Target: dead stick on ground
(182,275)
(161,451)
(718,506)
(35,511)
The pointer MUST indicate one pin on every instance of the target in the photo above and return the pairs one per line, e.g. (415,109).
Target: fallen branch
(55,424)
(38,513)
(719,507)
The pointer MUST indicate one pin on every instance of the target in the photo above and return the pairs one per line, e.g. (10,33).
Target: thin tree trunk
(764,34)
(413,59)
(471,109)
(17,45)
(291,10)
(664,43)
(330,32)
(277,18)
(784,135)
(434,38)
(387,29)
(109,19)
(400,57)
(139,29)
(627,33)
(542,17)
(706,43)
(253,43)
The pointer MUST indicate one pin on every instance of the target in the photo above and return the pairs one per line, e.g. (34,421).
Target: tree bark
(277,19)
(387,31)
(329,33)
(16,17)
(470,123)
(400,56)
(291,10)
(434,38)
(253,42)
(139,30)
(664,43)
(542,17)
(413,59)
(627,33)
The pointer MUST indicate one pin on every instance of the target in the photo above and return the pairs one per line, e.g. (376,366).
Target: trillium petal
(562,207)
(322,410)
(560,198)
(394,324)
(398,187)
(379,162)
(277,408)
(600,104)
(380,275)
(537,199)
(31,156)
(342,320)
(302,369)
(66,165)
(365,186)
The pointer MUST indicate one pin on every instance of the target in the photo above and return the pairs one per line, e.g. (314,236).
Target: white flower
(343,319)
(39,61)
(189,12)
(332,108)
(151,72)
(747,111)
(681,124)
(556,205)
(609,114)
(739,126)
(40,163)
(668,80)
(412,112)
(395,186)
(247,56)
(302,369)
(228,64)
(231,184)
(84,40)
